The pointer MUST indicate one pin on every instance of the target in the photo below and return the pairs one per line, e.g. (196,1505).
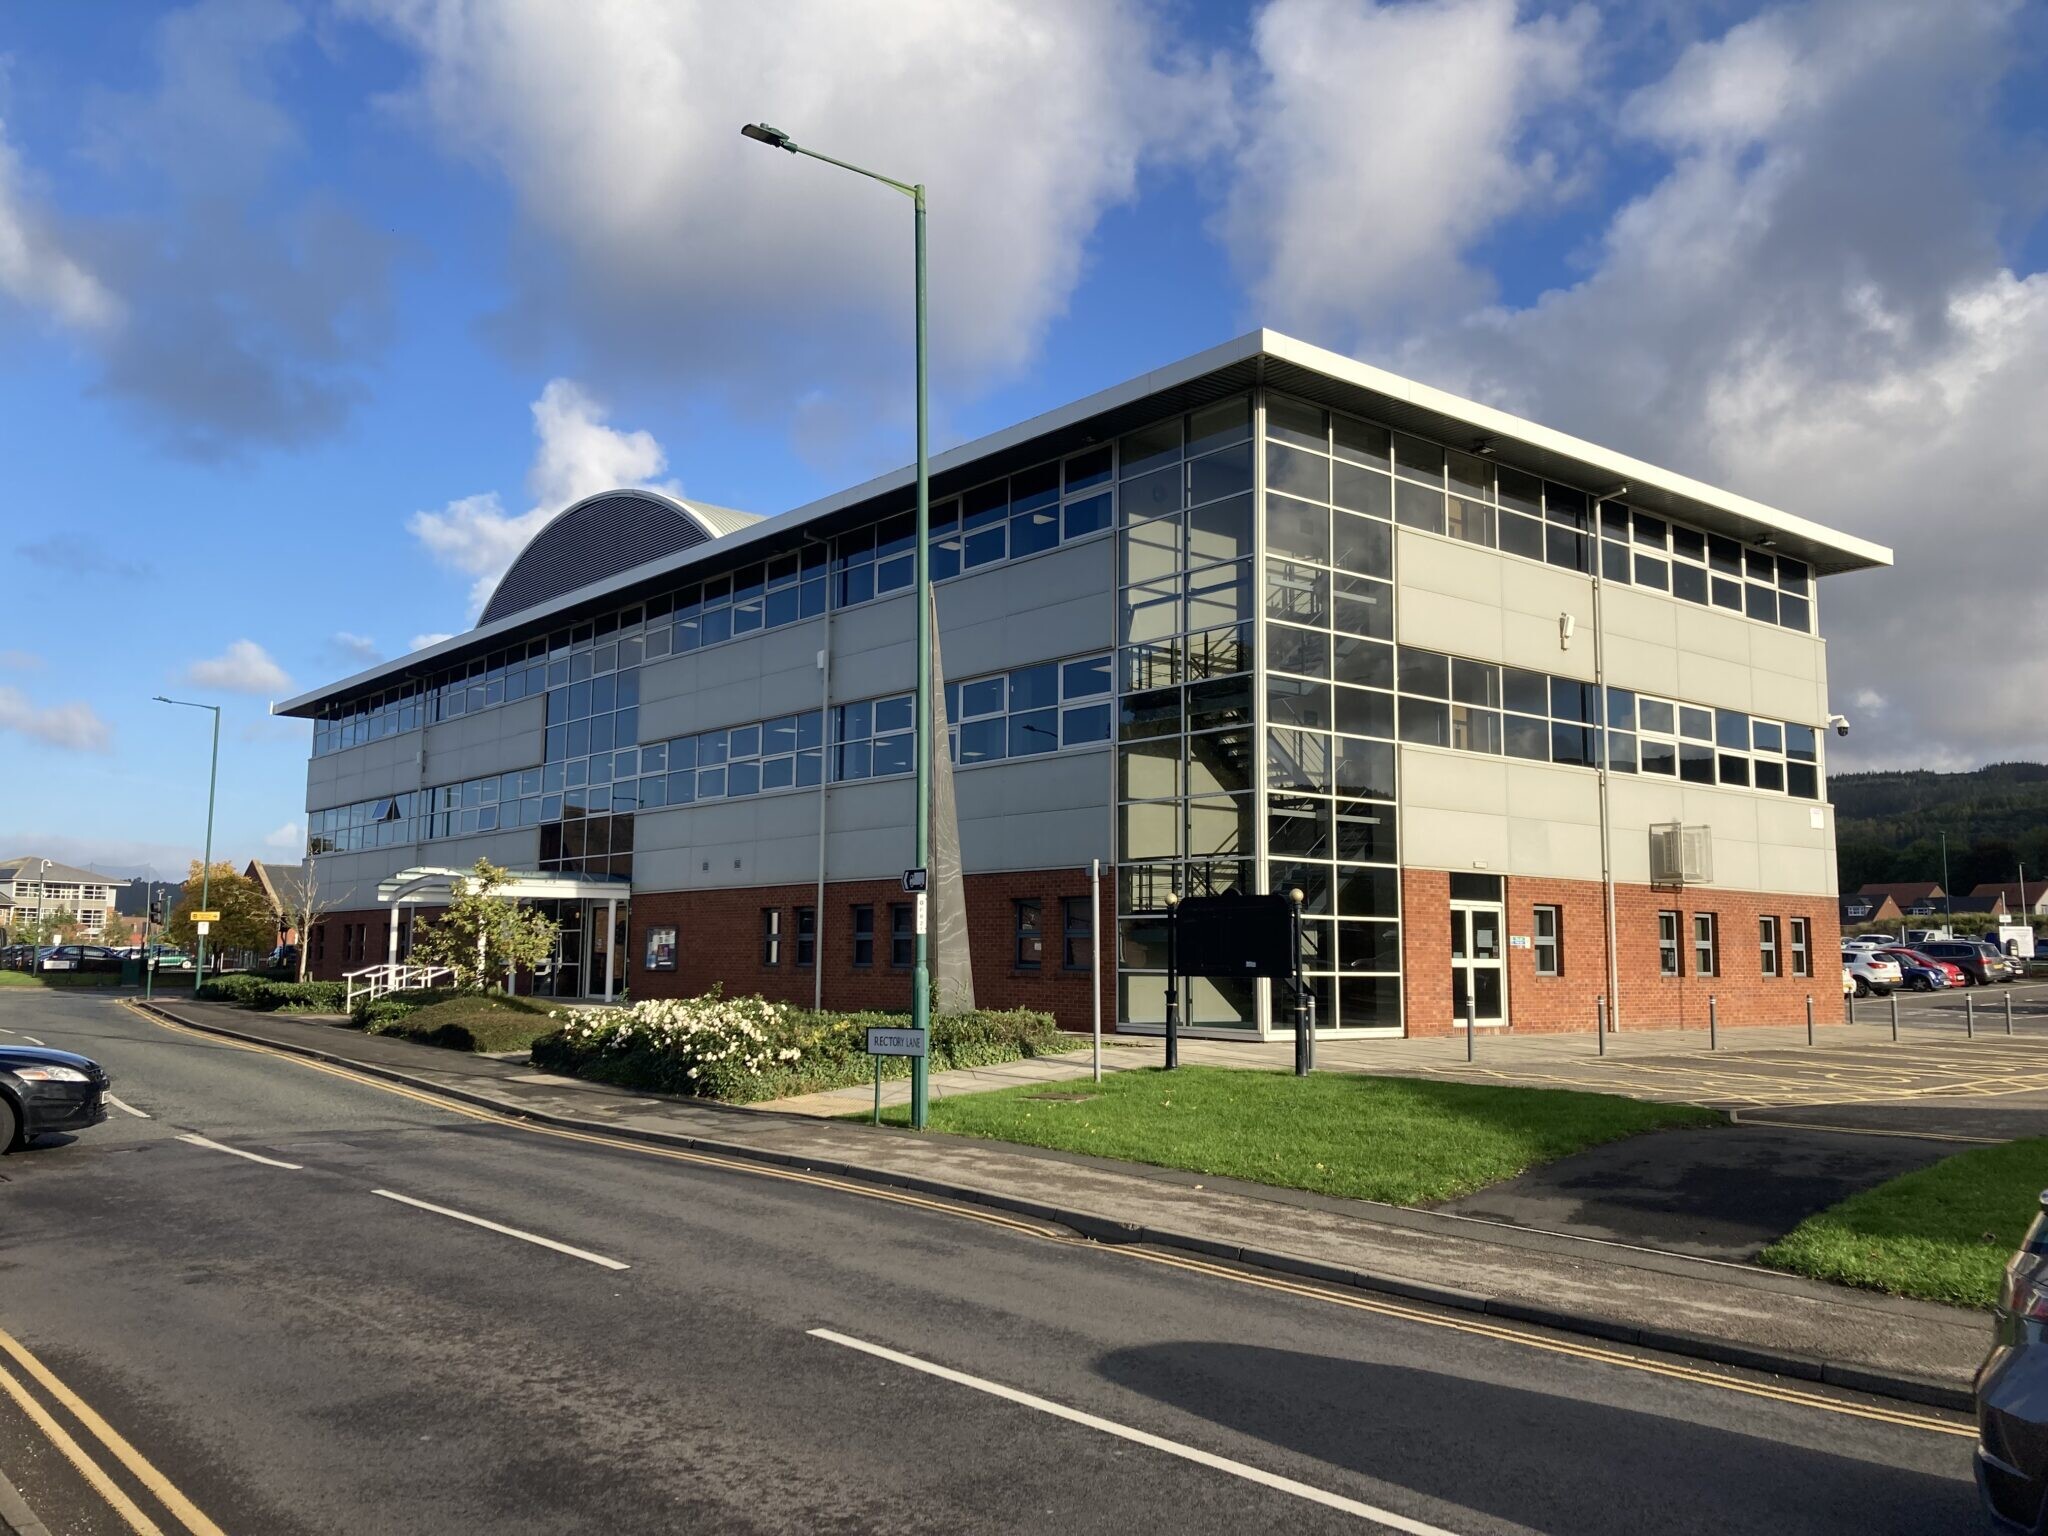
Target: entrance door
(602,942)
(1478,963)
(566,977)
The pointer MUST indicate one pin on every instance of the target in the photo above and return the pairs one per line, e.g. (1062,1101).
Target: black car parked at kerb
(42,1090)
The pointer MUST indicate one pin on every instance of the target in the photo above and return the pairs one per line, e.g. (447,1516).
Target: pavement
(314,1298)
(1625,1291)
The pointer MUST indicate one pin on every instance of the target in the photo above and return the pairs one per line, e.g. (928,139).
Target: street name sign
(897,1042)
(205,917)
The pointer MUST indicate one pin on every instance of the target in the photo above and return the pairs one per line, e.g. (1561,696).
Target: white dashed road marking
(254,1157)
(492,1226)
(125,1107)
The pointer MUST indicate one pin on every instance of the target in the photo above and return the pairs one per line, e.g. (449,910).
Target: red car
(1952,974)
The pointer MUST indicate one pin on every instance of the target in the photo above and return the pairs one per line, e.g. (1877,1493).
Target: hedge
(743,1050)
(370,1012)
(246,991)
(467,1021)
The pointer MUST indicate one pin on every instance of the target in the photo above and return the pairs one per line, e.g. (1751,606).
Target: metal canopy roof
(1258,356)
(432,884)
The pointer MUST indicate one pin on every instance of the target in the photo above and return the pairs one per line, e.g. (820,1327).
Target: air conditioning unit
(1681,855)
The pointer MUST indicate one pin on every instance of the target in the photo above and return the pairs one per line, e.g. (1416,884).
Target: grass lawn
(60,979)
(1942,1232)
(484,1023)
(1401,1140)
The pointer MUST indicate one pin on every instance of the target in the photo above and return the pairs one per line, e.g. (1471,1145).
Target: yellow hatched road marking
(1501,1332)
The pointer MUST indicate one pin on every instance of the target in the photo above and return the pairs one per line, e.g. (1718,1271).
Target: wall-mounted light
(1566,624)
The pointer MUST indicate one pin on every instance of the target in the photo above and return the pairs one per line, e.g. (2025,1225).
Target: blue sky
(309,313)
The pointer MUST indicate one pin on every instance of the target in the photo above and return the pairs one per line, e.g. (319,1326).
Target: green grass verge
(1942,1232)
(487,1022)
(60,979)
(1400,1140)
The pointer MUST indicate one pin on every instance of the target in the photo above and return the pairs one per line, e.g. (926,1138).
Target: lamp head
(1172,900)
(774,138)
(1295,895)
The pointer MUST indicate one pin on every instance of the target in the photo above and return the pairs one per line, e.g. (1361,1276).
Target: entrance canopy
(426,886)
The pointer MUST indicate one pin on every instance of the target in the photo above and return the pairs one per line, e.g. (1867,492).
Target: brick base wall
(1647,999)
(720,934)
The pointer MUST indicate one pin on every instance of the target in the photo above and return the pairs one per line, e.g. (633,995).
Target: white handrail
(374,981)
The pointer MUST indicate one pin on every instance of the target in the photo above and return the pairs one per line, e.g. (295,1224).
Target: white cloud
(1380,141)
(20,661)
(290,837)
(576,455)
(36,270)
(75,725)
(244,667)
(421,642)
(1808,304)
(355,647)
(670,243)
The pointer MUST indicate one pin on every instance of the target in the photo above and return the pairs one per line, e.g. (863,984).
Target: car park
(44,1090)
(1924,973)
(1873,971)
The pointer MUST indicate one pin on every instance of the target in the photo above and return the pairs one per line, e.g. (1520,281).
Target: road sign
(923,915)
(202,924)
(915,880)
(205,917)
(897,1042)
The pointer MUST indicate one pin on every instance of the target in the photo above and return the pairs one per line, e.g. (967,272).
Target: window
(1030,935)
(873,738)
(902,940)
(1077,922)
(1767,945)
(319,943)
(1549,941)
(1802,947)
(1029,711)
(771,936)
(863,937)
(806,936)
(1705,960)
(1667,944)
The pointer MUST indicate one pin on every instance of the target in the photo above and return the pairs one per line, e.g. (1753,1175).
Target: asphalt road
(295,1352)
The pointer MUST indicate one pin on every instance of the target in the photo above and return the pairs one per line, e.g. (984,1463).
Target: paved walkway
(1731,1313)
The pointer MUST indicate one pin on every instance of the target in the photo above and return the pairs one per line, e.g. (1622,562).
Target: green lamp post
(205,869)
(921,995)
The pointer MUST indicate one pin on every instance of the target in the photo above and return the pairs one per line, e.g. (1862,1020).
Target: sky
(311,313)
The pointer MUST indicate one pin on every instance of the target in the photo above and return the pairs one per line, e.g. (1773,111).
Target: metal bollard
(1970,1014)
(1471,1013)
(1713,1022)
(1600,1023)
(1895,1018)
(2008,1013)
(1809,1018)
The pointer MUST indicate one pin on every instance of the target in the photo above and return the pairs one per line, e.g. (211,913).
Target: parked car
(1923,973)
(1873,971)
(1977,966)
(80,957)
(42,1090)
(1869,941)
(2002,966)
(2012,1390)
(283,958)
(1918,936)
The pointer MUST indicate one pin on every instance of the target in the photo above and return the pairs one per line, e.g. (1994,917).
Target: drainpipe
(824,788)
(1606,819)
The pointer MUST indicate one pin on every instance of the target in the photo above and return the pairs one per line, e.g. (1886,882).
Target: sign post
(914,1043)
(1243,936)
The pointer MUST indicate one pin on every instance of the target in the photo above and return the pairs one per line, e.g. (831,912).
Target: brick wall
(1647,998)
(719,940)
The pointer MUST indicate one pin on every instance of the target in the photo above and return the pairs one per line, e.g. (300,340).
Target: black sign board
(1236,936)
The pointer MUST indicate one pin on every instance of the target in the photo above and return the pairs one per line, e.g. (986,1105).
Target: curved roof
(601,536)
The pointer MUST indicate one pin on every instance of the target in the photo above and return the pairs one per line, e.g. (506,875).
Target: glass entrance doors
(604,943)
(1478,962)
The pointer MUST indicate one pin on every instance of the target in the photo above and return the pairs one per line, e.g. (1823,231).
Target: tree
(246,920)
(483,936)
(305,907)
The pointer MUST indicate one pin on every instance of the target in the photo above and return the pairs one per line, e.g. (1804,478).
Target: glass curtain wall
(1256,706)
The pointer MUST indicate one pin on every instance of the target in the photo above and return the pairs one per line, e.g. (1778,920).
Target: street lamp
(205,869)
(921,994)
(42,896)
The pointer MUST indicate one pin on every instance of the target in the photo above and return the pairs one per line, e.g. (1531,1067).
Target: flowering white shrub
(710,1045)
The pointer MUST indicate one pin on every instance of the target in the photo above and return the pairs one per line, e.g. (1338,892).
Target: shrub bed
(746,1049)
(465,1021)
(246,991)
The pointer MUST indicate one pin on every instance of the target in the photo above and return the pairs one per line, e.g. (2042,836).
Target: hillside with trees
(1888,825)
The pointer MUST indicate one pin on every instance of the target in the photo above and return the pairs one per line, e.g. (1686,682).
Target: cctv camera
(1840,723)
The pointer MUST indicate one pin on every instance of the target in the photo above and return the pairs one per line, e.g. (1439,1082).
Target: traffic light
(156,908)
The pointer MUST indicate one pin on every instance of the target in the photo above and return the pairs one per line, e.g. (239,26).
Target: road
(291,1349)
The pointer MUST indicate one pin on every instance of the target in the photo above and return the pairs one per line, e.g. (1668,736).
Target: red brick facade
(1648,999)
(721,940)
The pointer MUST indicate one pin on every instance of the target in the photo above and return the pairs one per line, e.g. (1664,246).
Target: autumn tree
(484,935)
(246,920)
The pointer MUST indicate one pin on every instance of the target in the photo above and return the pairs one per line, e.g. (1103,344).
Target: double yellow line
(1046,1231)
(19,1370)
